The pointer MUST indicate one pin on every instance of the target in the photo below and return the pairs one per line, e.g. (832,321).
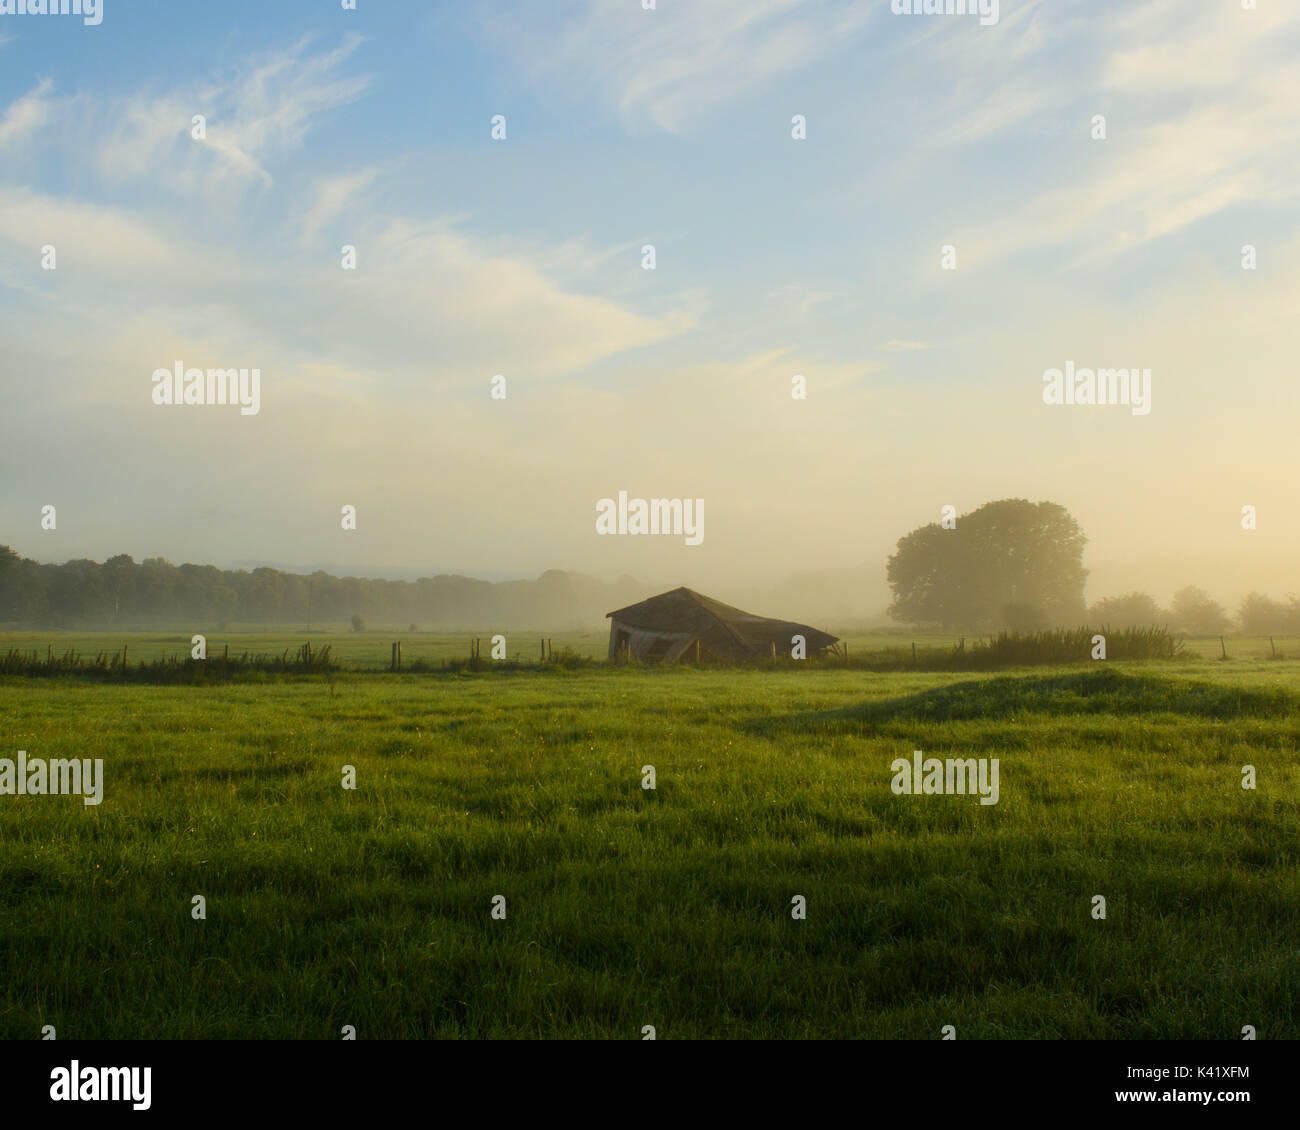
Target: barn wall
(646,645)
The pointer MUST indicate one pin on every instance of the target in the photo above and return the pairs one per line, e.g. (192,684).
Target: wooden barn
(686,626)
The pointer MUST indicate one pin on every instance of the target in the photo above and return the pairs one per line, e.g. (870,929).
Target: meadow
(371,650)
(670,907)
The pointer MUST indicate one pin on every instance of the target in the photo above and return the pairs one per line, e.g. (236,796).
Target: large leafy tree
(1010,563)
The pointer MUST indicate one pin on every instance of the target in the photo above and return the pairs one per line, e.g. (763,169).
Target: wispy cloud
(1197,102)
(254,117)
(331,195)
(25,115)
(665,67)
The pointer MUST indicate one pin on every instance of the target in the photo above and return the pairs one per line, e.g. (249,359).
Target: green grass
(371,649)
(365,650)
(671,907)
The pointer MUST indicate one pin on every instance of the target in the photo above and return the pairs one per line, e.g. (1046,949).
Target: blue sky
(774,257)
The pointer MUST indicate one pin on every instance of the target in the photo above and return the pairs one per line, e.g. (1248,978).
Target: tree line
(124,592)
(1008,565)
(1018,566)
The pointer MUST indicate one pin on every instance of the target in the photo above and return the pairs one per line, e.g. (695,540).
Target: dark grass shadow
(251,774)
(1008,697)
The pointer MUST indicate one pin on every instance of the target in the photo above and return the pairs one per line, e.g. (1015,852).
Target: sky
(820,256)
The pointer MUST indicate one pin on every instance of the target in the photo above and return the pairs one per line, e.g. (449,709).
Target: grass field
(371,649)
(629,907)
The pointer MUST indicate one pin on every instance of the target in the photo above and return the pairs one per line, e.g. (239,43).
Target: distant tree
(118,574)
(1193,612)
(77,593)
(1006,560)
(266,593)
(24,588)
(155,587)
(1260,616)
(293,602)
(10,587)
(358,624)
(1133,610)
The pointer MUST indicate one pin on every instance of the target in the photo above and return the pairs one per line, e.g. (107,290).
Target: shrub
(1134,610)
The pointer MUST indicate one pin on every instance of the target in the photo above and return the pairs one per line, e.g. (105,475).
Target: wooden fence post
(1223,647)
(1272,646)
(124,647)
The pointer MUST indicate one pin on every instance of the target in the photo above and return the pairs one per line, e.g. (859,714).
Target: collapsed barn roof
(682,624)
